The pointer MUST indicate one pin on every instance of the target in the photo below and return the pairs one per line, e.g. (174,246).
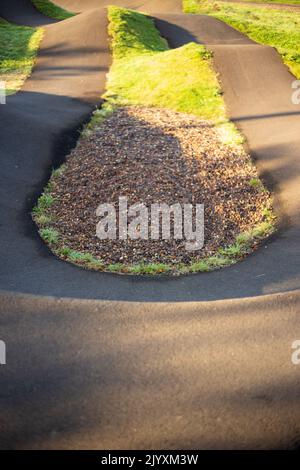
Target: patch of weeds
(80,257)
(43,219)
(58,171)
(219,261)
(233,251)
(151,268)
(257,183)
(63,251)
(268,214)
(114,268)
(244,238)
(262,230)
(96,264)
(97,119)
(77,257)
(229,134)
(45,201)
(199,266)
(50,235)
(49,188)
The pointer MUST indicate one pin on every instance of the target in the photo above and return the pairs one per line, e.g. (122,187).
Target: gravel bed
(152,156)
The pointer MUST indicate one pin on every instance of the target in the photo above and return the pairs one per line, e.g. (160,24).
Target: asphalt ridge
(98,374)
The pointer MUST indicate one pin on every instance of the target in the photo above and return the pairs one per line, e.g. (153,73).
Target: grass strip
(275,28)
(18,50)
(143,69)
(278,2)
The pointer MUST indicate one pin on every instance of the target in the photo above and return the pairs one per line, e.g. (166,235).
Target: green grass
(45,201)
(285,2)
(275,28)
(18,49)
(50,235)
(76,257)
(133,33)
(97,119)
(43,220)
(150,268)
(50,9)
(143,70)
(58,171)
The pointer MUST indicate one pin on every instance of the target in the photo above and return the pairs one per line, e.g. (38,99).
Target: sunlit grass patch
(143,70)
(18,50)
(275,28)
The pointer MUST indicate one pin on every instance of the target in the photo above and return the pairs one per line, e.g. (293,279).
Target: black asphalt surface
(102,375)
(181,373)
(22,12)
(38,127)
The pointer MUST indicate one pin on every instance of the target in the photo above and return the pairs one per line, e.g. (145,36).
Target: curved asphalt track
(39,126)
(174,374)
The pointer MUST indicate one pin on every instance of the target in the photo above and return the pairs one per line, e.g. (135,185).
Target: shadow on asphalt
(175,377)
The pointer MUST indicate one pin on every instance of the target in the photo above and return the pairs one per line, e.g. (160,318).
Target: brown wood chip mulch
(154,156)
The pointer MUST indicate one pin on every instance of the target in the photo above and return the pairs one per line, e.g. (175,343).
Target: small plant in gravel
(255,182)
(44,202)
(49,235)
(116,267)
(42,219)
(81,257)
(63,251)
(151,268)
(57,172)
(77,257)
(40,212)
(98,118)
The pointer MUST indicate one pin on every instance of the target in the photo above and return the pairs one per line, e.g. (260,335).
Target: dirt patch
(156,156)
